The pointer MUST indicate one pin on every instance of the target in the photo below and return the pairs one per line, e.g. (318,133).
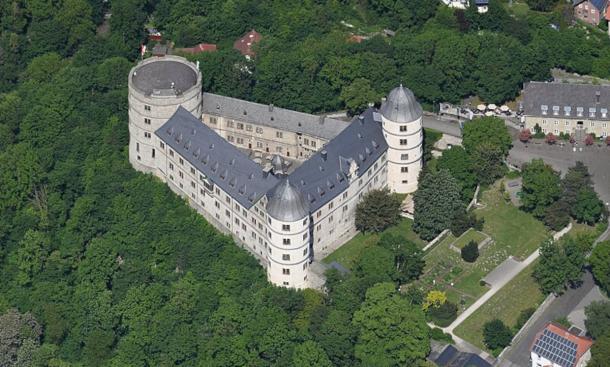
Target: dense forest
(103,266)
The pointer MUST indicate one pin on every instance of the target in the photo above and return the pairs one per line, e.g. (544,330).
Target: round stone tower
(157,86)
(401,117)
(288,251)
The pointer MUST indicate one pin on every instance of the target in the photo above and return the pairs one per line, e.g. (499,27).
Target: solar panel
(556,349)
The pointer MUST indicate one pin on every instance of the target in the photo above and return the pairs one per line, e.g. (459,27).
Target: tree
(457,161)
(542,5)
(462,221)
(444,314)
(496,335)
(598,318)
(557,215)
(600,264)
(470,252)
(490,131)
(408,258)
(309,353)
(525,135)
(575,179)
(437,198)
(434,299)
(561,264)
(358,95)
(391,331)
(19,338)
(541,187)
(377,211)
(600,352)
(589,208)
(551,139)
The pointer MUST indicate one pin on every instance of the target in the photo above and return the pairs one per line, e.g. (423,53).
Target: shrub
(524,315)
(557,216)
(440,336)
(470,252)
(444,314)
(551,138)
(462,221)
(496,335)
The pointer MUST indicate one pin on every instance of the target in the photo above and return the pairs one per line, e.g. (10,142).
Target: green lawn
(514,233)
(348,254)
(469,235)
(519,294)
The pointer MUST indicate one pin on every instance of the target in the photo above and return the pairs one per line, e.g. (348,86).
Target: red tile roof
(582,343)
(202,47)
(244,44)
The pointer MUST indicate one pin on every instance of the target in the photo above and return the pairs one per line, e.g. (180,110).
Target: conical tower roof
(401,106)
(286,203)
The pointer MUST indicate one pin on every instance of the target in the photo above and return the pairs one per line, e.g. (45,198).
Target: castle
(283,184)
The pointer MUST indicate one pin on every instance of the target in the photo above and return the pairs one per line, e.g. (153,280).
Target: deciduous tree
(378,210)
(496,335)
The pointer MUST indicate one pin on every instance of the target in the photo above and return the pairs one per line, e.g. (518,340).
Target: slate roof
(451,357)
(286,203)
(269,115)
(562,97)
(325,174)
(401,106)
(222,163)
(160,74)
(558,345)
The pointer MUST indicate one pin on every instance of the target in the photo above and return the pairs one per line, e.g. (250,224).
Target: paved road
(518,354)
(444,126)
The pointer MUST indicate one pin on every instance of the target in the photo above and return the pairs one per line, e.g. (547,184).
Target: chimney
(324,154)
(271,107)
(597,95)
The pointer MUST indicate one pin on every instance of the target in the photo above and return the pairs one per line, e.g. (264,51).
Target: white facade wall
(148,112)
(337,217)
(405,153)
(264,139)
(288,252)
(557,125)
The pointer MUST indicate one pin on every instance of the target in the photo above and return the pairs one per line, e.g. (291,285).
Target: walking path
(508,276)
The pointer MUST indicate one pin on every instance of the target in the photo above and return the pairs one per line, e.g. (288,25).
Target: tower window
(286,241)
(404,157)
(286,271)
(147,121)
(403,141)
(403,128)
(286,257)
(285,227)
(404,169)
(146,108)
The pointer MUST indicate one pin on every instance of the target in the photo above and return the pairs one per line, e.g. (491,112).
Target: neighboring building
(197,49)
(567,108)
(555,346)
(482,5)
(589,11)
(451,357)
(160,50)
(198,143)
(154,34)
(245,43)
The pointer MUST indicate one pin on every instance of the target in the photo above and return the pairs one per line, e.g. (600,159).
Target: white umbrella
(504,108)
(491,106)
(489,113)
(481,107)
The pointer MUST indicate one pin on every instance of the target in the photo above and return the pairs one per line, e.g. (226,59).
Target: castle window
(180,174)
(171,166)
(230,138)
(213,120)
(240,126)
(147,135)
(181,161)
(230,123)
(286,241)
(330,219)
(147,121)
(404,157)
(304,253)
(404,169)
(279,134)
(192,171)
(259,145)
(193,184)
(259,130)
(305,266)
(286,257)
(137,147)
(345,207)
(243,226)
(286,271)
(248,127)
(305,221)
(146,108)
(162,145)
(285,227)
(286,283)
(403,128)
(305,236)
(403,141)
(331,205)
(313,143)
(171,153)
(319,227)
(153,153)
(240,140)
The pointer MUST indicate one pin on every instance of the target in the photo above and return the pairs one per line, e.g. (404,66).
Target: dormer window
(567,110)
(579,111)
(555,110)
(592,111)
(544,108)
(604,112)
